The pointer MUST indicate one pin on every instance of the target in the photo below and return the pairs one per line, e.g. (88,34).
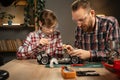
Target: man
(93,33)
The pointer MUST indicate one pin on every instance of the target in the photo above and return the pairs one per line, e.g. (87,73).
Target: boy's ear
(40,23)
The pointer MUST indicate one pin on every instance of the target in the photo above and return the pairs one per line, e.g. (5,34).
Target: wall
(63,11)
(107,7)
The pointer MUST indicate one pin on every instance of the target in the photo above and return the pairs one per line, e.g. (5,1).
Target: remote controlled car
(44,58)
(113,63)
(115,67)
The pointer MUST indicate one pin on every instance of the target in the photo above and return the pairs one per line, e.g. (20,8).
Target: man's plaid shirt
(106,29)
(31,45)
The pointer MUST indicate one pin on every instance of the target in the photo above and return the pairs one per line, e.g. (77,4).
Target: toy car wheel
(74,60)
(45,60)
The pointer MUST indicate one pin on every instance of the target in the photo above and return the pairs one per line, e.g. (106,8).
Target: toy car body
(113,63)
(65,58)
(43,58)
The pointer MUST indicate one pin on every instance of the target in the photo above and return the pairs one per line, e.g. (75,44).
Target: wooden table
(31,70)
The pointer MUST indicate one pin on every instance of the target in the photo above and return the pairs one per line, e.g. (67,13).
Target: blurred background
(62,9)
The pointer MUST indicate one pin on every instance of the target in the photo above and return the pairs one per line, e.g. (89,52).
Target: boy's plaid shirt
(31,46)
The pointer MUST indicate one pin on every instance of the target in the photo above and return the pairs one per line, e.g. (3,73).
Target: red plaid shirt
(31,46)
(106,29)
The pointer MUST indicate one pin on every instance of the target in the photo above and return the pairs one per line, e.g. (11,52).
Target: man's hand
(44,41)
(83,54)
(69,48)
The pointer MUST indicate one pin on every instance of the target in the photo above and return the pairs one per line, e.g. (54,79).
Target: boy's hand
(44,41)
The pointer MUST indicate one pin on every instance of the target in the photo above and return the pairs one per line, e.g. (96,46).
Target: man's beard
(88,27)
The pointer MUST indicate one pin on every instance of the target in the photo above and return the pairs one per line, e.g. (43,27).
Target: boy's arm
(29,49)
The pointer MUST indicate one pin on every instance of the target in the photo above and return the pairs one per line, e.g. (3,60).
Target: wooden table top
(31,70)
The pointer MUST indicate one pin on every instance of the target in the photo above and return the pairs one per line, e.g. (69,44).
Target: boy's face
(49,30)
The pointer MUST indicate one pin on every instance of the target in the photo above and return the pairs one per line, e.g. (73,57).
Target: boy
(47,38)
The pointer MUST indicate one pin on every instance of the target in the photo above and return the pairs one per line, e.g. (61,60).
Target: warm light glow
(12,23)
(101,15)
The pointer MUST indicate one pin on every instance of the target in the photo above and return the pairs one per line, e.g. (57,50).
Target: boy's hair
(85,4)
(47,18)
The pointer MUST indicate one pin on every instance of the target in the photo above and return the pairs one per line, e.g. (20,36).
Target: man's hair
(85,4)
(48,18)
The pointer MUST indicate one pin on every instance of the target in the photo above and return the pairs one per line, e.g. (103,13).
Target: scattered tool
(87,73)
(77,65)
(68,73)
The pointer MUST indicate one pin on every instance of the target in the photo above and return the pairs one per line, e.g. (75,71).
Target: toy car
(113,63)
(43,58)
(65,58)
(115,67)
